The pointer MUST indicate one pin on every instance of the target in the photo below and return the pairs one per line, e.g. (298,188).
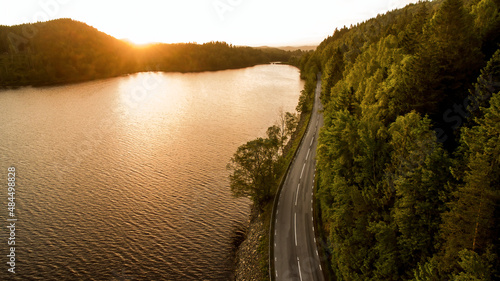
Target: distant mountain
(295,48)
(290,48)
(65,51)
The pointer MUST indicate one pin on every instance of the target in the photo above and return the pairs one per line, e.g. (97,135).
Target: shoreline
(55,84)
(65,83)
(247,256)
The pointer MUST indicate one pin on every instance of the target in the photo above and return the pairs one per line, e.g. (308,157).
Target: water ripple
(115,186)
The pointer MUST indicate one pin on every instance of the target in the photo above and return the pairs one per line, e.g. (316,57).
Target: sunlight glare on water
(126,176)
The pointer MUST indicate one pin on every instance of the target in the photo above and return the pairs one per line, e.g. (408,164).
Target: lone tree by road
(253,166)
(256,165)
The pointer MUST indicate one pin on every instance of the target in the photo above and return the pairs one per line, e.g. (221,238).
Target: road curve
(295,252)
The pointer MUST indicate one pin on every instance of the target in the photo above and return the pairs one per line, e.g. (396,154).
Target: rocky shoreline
(248,257)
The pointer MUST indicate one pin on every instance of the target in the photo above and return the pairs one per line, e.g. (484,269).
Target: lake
(125,178)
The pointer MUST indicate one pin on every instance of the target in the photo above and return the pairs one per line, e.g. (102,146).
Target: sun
(140,39)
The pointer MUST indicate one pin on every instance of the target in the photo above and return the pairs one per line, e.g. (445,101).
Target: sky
(238,22)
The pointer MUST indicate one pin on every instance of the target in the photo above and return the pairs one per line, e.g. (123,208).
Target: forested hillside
(62,51)
(408,158)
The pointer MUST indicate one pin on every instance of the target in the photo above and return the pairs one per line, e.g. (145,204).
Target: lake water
(125,178)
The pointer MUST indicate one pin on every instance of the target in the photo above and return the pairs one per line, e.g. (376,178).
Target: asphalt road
(295,252)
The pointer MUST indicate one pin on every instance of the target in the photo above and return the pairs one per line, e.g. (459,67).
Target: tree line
(408,158)
(64,51)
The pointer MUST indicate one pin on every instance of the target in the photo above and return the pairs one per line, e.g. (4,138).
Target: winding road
(296,255)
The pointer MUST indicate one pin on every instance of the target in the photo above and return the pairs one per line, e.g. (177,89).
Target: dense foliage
(64,50)
(408,158)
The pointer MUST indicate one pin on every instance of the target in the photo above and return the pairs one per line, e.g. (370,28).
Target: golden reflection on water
(147,100)
(130,172)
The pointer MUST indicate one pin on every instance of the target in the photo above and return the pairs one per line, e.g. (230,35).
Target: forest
(408,158)
(67,51)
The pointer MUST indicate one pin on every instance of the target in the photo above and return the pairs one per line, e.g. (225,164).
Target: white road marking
(295,227)
(297,195)
(300,272)
(296,200)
